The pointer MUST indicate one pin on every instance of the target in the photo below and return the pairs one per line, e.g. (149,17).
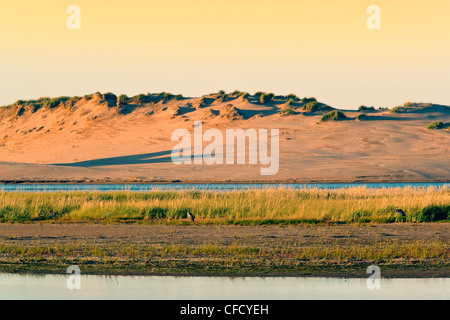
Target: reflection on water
(216,187)
(13,286)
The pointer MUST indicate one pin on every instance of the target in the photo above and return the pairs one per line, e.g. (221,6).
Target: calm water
(223,187)
(13,286)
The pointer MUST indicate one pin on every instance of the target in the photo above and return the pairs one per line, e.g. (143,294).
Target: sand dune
(95,138)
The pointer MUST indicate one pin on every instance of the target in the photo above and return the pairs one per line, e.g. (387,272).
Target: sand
(269,235)
(91,141)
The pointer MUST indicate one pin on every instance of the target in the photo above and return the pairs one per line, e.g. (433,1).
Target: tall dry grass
(359,204)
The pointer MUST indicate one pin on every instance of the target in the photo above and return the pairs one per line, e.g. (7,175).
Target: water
(216,187)
(54,287)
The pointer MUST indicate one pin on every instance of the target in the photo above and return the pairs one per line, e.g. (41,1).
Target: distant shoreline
(158,182)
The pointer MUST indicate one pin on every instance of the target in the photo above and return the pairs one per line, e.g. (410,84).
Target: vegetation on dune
(292,96)
(397,109)
(48,103)
(244,207)
(222,96)
(364,108)
(412,107)
(290,102)
(266,98)
(152,98)
(164,97)
(334,115)
(140,99)
(361,117)
(122,100)
(111,100)
(306,100)
(287,112)
(237,94)
(314,106)
(438,125)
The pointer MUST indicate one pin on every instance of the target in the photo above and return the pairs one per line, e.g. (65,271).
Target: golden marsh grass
(358,204)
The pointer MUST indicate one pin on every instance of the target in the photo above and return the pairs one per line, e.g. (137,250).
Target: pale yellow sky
(319,48)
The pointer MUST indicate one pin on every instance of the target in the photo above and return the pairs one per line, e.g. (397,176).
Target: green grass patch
(361,117)
(334,115)
(314,106)
(364,109)
(287,112)
(266,97)
(438,125)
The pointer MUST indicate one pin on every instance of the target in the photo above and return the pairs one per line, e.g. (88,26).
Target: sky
(313,48)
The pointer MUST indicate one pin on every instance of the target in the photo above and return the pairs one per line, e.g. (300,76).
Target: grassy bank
(214,259)
(276,206)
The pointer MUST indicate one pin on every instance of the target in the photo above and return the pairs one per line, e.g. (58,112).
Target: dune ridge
(109,138)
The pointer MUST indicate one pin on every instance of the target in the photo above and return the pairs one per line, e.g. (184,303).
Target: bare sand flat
(92,140)
(225,235)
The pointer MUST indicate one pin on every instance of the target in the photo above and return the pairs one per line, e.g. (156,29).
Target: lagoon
(94,287)
(213,187)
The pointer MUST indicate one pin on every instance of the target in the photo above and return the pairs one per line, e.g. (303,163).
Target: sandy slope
(91,140)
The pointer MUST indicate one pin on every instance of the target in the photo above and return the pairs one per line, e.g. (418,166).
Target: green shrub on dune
(286,112)
(55,102)
(306,100)
(364,108)
(45,102)
(314,106)
(334,115)
(236,93)
(438,125)
(412,107)
(292,96)
(266,98)
(140,99)
(311,106)
(223,98)
(122,100)
(290,102)
(361,117)
(397,109)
